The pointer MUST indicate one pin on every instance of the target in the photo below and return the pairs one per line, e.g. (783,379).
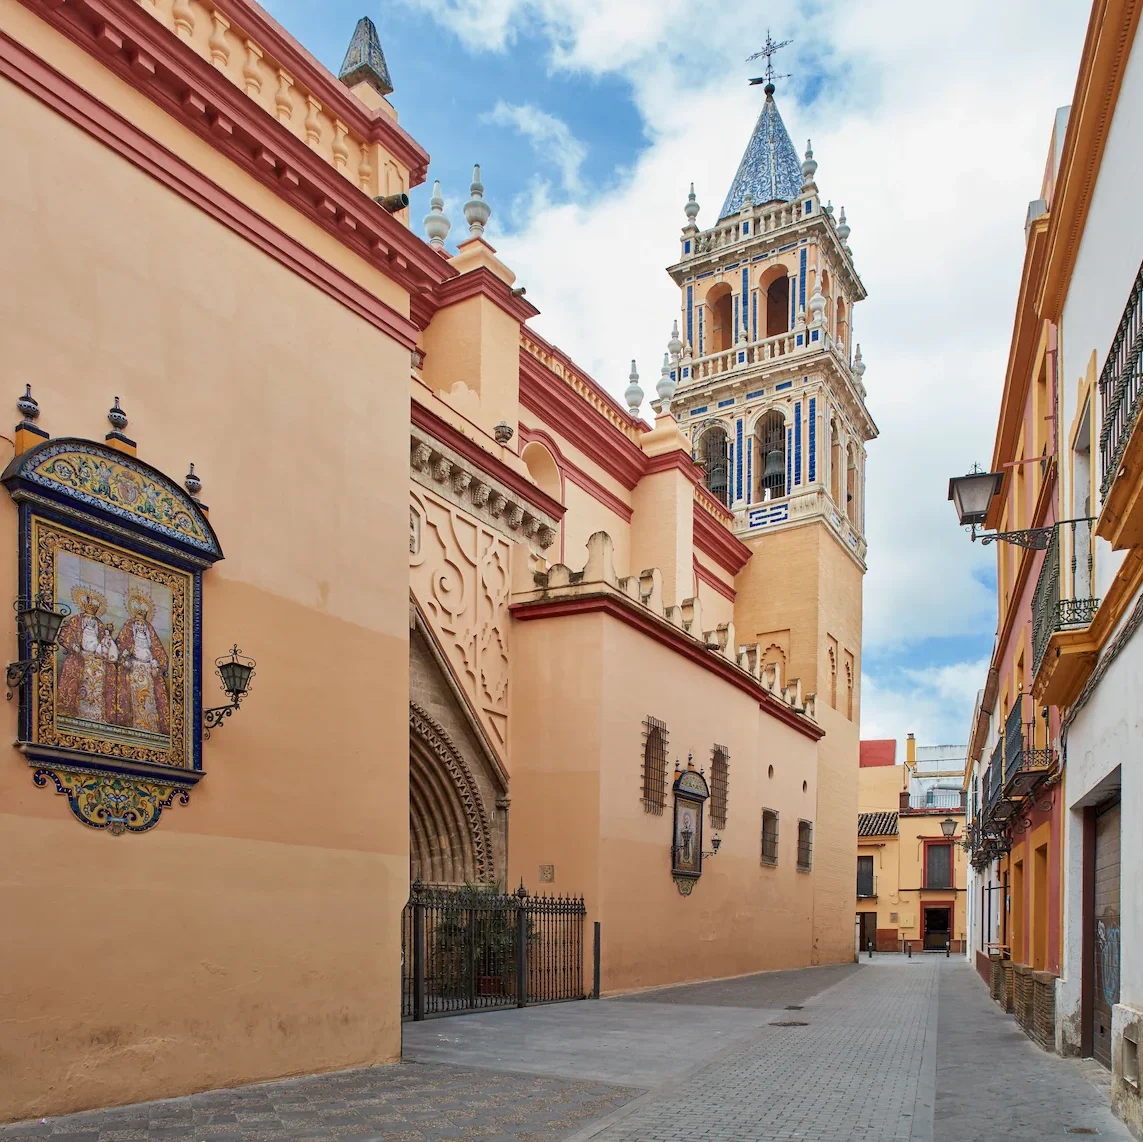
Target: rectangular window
(805,845)
(769,836)
(654,765)
(938,866)
(865,877)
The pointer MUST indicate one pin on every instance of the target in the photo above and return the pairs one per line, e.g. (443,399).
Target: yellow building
(911,862)
(578,675)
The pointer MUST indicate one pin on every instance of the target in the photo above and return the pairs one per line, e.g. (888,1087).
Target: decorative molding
(1107,48)
(101,123)
(714,582)
(460,579)
(144,54)
(576,474)
(636,600)
(444,460)
(425,728)
(112,801)
(480,282)
(718,542)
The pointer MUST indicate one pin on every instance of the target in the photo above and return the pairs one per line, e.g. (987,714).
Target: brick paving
(892,1050)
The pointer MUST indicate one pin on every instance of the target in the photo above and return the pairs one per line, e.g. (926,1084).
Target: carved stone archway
(450,835)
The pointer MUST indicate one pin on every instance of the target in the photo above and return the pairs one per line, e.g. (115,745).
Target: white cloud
(932,135)
(550,138)
(934,703)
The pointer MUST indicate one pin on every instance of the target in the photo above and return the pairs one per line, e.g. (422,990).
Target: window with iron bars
(654,765)
(719,786)
(769,836)
(805,845)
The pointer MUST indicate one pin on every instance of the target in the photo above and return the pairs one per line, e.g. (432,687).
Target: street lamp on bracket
(972,495)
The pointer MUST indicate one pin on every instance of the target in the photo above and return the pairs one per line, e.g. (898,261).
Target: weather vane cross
(768,53)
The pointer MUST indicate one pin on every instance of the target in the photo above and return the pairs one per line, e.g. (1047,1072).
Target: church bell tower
(769,388)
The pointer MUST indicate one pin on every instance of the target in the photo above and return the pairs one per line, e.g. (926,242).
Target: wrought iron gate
(475,948)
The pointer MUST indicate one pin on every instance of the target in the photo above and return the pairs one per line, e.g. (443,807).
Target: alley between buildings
(888,1049)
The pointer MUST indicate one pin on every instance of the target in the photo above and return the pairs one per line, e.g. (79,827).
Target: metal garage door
(1105,938)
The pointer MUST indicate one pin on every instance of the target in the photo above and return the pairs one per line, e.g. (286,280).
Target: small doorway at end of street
(938,929)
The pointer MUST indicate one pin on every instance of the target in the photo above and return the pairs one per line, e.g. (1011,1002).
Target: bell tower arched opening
(770,456)
(714,454)
(778,306)
(720,326)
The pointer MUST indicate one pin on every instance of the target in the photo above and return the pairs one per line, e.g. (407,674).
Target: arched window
(714,454)
(839,329)
(770,456)
(836,463)
(778,306)
(654,765)
(851,487)
(719,786)
(542,468)
(720,320)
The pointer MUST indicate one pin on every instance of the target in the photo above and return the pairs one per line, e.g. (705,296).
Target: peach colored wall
(255,932)
(716,607)
(571,771)
(662,531)
(879,788)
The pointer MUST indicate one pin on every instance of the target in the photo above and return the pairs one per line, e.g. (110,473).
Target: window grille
(769,836)
(719,786)
(654,765)
(805,844)
(938,866)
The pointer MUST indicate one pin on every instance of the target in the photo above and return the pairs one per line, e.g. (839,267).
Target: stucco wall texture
(256,935)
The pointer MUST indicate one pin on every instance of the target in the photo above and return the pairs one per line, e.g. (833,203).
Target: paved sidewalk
(889,1050)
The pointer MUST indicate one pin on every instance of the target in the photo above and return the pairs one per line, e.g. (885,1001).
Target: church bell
(774,465)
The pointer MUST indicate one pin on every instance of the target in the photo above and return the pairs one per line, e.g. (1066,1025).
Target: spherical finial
(858,364)
(436,224)
(769,89)
(810,166)
(674,345)
(476,210)
(117,417)
(27,406)
(633,394)
(192,483)
(692,207)
(828,209)
(666,386)
(843,230)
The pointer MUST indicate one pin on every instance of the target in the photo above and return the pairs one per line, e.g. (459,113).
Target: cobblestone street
(890,1049)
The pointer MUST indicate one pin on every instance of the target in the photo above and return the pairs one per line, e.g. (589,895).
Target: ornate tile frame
(64,483)
(690,790)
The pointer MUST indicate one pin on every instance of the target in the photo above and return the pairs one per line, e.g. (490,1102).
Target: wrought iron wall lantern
(39,623)
(948,827)
(235,672)
(973,493)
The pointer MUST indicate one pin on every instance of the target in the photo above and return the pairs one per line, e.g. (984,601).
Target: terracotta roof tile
(877,824)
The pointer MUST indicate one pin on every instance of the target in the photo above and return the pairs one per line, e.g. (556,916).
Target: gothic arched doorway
(450,836)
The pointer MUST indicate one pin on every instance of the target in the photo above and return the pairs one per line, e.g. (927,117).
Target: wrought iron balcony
(999,808)
(1121,387)
(866,886)
(1026,765)
(1051,612)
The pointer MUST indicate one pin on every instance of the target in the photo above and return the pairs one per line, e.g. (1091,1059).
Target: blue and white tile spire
(770,169)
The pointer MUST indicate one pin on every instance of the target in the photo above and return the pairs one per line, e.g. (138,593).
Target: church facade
(596,610)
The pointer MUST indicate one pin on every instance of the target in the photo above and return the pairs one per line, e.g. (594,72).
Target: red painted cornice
(95,118)
(576,474)
(714,582)
(714,540)
(146,55)
(634,615)
(557,404)
(482,282)
(443,432)
(677,459)
(374,126)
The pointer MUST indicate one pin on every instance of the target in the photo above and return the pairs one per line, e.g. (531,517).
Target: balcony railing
(999,809)
(1051,612)
(949,800)
(1121,386)
(1026,764)
(866,887)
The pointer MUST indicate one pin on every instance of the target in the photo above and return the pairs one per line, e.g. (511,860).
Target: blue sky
(590,118)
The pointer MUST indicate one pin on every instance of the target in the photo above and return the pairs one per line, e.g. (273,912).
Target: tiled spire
(770,169)
(365,61)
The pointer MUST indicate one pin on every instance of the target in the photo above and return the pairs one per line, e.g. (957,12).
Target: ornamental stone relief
(460,577)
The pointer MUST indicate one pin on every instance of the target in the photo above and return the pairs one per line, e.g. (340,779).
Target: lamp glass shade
(235,676)
(971,495)
(41,624)
(948,827)
(715,843)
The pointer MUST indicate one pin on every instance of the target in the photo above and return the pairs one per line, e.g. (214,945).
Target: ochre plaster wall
(576,778)
(255,932)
